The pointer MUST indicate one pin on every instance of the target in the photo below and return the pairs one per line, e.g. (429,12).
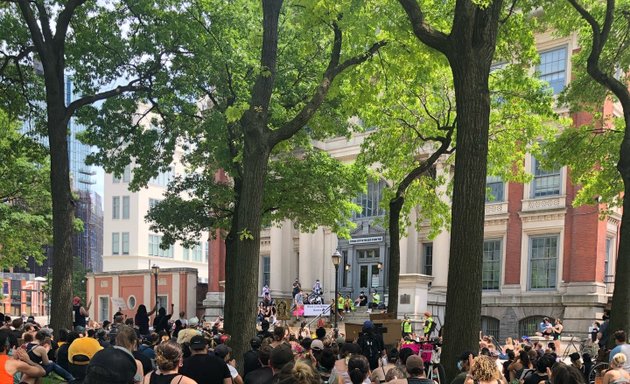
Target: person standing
(406,326)
(371,344)
(298,304)
(297,287)
(203,368)
(340,305)
(80,314)
(429,325)
(142,319)
(251,361)
(160,323)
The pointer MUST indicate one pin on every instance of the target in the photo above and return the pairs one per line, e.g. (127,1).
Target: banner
(316,310)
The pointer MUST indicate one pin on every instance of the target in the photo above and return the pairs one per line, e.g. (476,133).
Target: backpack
(370,349)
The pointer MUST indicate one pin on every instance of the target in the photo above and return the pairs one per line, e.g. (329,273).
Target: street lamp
(155,269)
(336,259)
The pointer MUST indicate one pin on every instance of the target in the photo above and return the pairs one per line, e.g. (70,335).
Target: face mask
(459,365)
(10,353)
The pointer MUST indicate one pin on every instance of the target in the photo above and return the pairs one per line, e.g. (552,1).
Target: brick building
(542,257)
(128,289)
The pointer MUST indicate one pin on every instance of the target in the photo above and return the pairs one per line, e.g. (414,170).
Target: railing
(326,312)
(609,280)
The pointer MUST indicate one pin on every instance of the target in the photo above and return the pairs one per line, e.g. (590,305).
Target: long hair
(142,310)
(358,368)
(167,356)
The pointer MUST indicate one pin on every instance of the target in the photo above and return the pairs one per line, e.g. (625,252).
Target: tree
(261,84)
(25,207)
(469,47)
(45,41)
(603,30)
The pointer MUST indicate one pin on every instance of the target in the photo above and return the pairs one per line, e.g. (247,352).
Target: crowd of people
(180,351)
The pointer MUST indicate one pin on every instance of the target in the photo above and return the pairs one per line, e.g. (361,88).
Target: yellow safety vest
(340,302)
(428,324)
(376,299)
(406,326)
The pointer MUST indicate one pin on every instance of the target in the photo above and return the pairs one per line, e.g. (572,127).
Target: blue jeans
(58,370)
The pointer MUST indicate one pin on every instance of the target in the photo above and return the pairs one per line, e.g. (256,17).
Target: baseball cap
(317,345)
(193,321)
(100,368)
(255,342)
(414,362)
(198,343)
(368,324)
(281,356)
(222,350)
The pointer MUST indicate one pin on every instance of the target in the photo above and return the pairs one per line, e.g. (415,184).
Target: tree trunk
(463,298)
(620,310)
(243,250)
(63,217)
(395,206)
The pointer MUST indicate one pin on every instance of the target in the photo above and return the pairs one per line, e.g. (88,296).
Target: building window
(103,308)
(490,326)
(369,201)
(125,207)
(607,261)
(125,243)
(368,253)
(115,243)
(427,259)
(155,250)
(530,325)
(115,179)
(116,207)
(266,270)
(131,302)
(553,68)
(543,258)
(186,255)
(162,179)
(127,174)
(196,252)
(491,264)
(494,189)
(162,301)
(546,182)
(153,203)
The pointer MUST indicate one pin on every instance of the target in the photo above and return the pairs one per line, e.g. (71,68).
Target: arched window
(369,201)
(529,325)
(490,326)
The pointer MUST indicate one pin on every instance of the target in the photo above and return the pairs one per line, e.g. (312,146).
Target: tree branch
(36,33)
(16,58)
(600,37)
(89,99)
(43,20)
(423,31)
(63,21)
(334,68)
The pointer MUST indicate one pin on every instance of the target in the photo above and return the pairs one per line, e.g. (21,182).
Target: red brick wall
(514,231)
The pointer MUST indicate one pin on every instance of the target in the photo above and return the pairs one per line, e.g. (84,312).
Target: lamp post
(155,269)
(336,259)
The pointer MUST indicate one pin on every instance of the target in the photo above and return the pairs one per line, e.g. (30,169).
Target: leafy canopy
(25,203)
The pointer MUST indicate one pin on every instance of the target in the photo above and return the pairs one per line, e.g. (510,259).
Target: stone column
(276,261)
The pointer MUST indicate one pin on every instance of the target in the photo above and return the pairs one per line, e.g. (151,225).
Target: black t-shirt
(536,378)
(205,369)
(251,362)
(262,375)
(144,359)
